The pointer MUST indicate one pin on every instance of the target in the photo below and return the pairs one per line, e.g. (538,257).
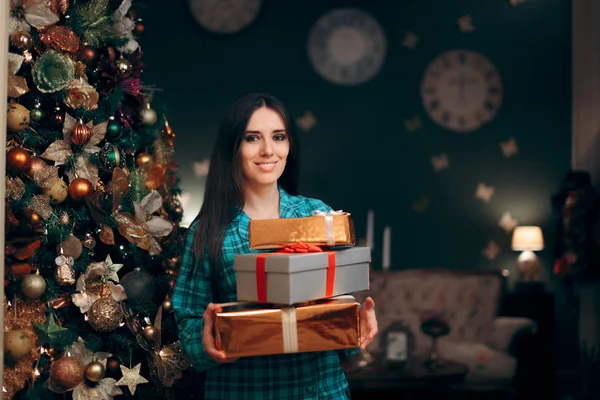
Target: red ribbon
(261,276)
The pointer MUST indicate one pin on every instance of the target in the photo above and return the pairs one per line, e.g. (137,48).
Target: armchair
(469,301)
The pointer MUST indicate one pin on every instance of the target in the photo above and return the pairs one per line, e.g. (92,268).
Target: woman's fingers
(208,337)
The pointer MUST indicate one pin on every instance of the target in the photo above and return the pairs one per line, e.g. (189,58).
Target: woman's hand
(368,323)
(208,336)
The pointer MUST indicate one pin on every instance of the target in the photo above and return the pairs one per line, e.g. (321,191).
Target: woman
(253,174)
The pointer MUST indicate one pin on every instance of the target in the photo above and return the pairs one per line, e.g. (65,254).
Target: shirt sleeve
(321,206)
(191,296)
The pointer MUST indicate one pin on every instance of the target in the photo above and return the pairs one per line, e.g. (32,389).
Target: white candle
(387,238)
(370,227)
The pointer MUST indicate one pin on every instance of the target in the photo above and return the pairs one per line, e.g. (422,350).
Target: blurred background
(451,174)
(450,194)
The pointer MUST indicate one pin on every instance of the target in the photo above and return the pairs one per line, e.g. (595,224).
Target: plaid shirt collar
(288,206)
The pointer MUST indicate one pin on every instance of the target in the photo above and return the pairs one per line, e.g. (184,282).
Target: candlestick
(387,238)
(370,227)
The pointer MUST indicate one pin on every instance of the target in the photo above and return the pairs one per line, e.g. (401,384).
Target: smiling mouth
(266,166)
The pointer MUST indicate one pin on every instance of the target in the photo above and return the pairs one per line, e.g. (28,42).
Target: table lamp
(528,239)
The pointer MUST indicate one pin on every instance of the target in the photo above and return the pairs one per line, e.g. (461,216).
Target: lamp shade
(527,238)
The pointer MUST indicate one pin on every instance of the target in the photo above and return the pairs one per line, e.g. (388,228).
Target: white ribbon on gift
(329,223)
(289,328)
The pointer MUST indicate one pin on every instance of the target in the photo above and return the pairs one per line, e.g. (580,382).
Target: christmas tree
(93,241)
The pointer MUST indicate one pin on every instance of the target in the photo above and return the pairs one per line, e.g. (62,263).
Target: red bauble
(81,134)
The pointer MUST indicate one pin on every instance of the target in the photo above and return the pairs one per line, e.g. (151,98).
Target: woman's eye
(251,138)
(279,137)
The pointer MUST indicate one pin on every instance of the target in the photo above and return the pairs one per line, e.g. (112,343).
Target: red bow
(300,247)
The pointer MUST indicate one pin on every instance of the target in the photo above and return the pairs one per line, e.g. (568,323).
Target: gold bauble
(148,115)
(123,66)
(37,164)
(89,242)
(57,191)
(150,333)
(94,371)
(33,286)
(70,247)
(80,188)
(105,315)
(17,344)
(144,161)
(17,117)
(18,160)
(81,133)
(66,373)
(167,305)
(21,40)
(35,220)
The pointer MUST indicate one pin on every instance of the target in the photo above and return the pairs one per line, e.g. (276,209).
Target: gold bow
(166,363)
(17,85)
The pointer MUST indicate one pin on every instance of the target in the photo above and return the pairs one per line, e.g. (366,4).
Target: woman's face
(264,148)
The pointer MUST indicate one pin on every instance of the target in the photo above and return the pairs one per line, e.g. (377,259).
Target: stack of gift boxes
(294,294)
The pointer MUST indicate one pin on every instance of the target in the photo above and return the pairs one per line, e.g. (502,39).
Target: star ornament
(421,204)
(410,40)
(465,23)
(507,222)
(131,378)
(112,269)
(491,251)
(49,332)
(413,124)
(440,162)
(484,193)
(509,148)
(307,121)
(201,168)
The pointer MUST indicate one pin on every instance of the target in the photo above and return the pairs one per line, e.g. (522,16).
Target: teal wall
(359,156)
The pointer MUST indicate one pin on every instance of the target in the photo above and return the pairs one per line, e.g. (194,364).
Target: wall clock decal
(225,16)
(461,90)
(347,46)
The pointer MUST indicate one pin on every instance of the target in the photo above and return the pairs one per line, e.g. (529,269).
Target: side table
(414,379)
(535,374)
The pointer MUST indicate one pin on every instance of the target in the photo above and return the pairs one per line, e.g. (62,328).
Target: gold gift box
(276,233)
(259,329)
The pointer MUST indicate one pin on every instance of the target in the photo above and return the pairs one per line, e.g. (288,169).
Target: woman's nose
(266,148)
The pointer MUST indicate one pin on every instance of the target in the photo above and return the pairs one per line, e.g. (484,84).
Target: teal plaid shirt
(315,375)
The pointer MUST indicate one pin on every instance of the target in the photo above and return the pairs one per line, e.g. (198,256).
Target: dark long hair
(223,196)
